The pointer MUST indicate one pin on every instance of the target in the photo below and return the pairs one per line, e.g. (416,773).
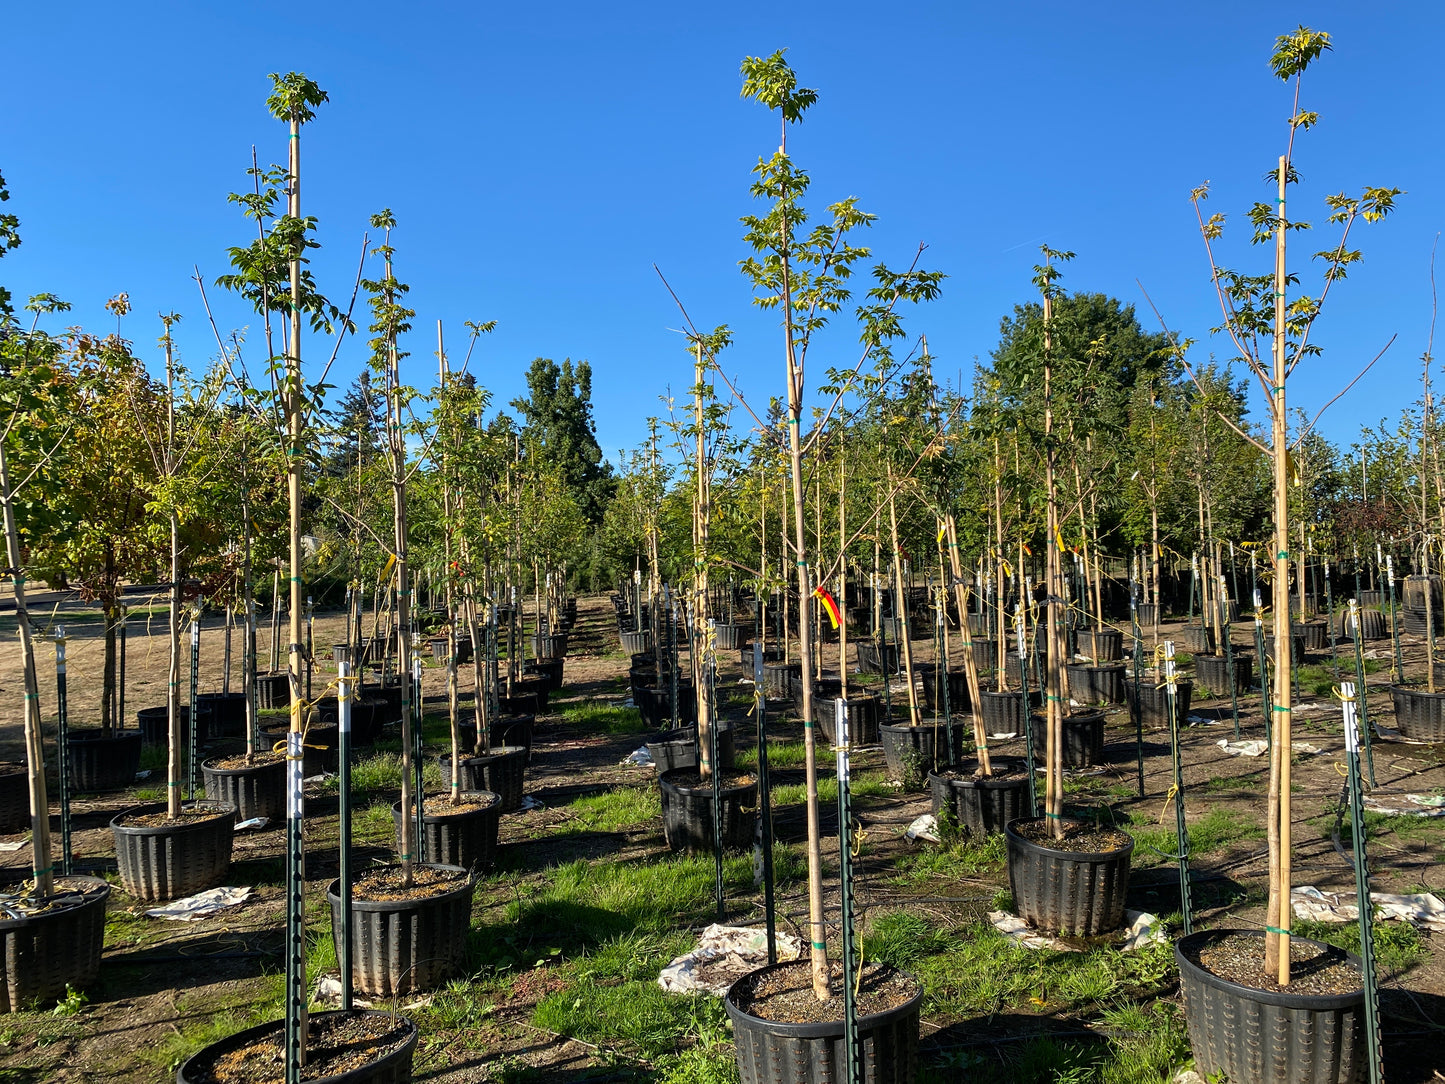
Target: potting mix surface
(19,902)
(1314,969)
(439,805)
(335,1045)
(165,820)
(232,764)
(389,883)
(1004,771)
(1079,836)
(785,996)
(691,780)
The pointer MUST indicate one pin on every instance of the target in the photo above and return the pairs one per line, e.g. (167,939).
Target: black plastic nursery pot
(417,943)
(550,646)
(155,724)
(265,1043)
(1240,1033)
(1096,684)
(500,771)
(1154,700)
(678,749)
(43,953)
(256,790)
(827,688)
(390,698)
(228,713)
(635,643)
(531,686)
(169,861)
(958,698)
(1316,634)
(865,715)
(1372,625)
(916,749)
(1078,893)
(982,805)
(14,798)
(103,762)
(729,636)
(876,658)
(1196,639)
(465,837)
(273,690)
(1103,645)
(985,654)
(1419,714)
(687,810)
(1148,613)
(547,671)
(1213,673)
(1003,712)
(1297,647)
(779,678)
(776,1052)
(1083,738)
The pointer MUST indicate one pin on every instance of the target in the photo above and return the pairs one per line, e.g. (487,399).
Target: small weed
(71,1004)
(915,770)
(903,938)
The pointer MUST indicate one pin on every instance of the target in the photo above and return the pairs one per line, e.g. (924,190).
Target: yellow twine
(1168,797)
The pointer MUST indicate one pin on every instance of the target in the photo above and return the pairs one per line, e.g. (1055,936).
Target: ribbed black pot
(547,671)
(729,636)
(1096,684)
(923,746)
(172,861)
(273,690)
(634,643)
(985,654)
(984,805)
(393,1068)
(1104,645)
(773,1052)
(1372,625)
(1196,639)
(827,688)
(464,838)
(1417,587)
(319,753)
(865,714)
(1419,714)
(42,954)
(390,698)
(655,705)
(1083,737)
(778,679)
(1414,622)
(1147,612)
(14,798)
(874,658)
(1154,700)
(398,946)
(687,813)
(500,771)
(1069,892)
(256,791)
(531,686)
(227,711)
(1297,647)
(1316,634)
(1213,673)
(521,703)
(1373,598)
(1003,712)
(98,762)
(678,749)
(550,646)
(155,724)
(958,698)
(1239,1033)
(745,657)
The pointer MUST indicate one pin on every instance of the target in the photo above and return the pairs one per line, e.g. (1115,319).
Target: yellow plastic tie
(1168,797)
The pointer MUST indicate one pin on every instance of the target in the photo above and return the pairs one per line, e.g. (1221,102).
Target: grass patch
(634,1017)
(1398,945)
(1213,832)
(781,754)
(380,773)
(620,809)
(925,867)
(597,717)
(797,793)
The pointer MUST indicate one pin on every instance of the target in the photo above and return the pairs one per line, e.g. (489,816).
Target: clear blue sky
(541,157)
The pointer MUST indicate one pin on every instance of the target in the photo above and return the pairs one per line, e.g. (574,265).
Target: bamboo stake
(900,612)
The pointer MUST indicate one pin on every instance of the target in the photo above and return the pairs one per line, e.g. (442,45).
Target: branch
(1306,430)
(341,331)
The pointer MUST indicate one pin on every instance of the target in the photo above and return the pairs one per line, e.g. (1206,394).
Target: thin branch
(1306,430)
(346,323)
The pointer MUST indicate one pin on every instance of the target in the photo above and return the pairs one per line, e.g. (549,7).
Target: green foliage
(1398,945)
(618,810)
(1211,833)
(597,717)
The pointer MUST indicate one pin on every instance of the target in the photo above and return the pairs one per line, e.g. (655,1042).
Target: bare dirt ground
(163,984)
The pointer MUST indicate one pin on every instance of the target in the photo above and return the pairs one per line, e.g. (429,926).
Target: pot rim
(259,1031)
(97,733)
(1013,836)
(1316,1002)
(437,818)
(215,805)
(1409,689)
(820,1029)
(89,900)
(988,783)
(705,788)
(499,752)
(279,764)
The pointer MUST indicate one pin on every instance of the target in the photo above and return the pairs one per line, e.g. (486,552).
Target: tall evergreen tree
(557,413)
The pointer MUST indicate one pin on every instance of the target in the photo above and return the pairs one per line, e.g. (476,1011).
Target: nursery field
(586,904)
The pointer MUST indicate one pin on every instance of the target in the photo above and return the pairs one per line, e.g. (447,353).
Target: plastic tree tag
(343,698)
(294,765)
(1352,726)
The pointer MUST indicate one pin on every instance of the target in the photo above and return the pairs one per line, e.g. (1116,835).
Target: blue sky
(540,158)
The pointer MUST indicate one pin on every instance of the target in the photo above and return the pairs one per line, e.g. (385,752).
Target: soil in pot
(337,1043)
(785,995)
(1245,1026)
(406,936)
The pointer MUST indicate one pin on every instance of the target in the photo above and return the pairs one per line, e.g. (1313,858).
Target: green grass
(1398,945)
(927,866)
(797,793)
(617,810)
(597,717)
(380,773)
(781,754)
(1213,832)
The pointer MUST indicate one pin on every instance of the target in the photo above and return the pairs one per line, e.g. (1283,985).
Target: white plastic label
(1352,726)
(294,775)
(343,698)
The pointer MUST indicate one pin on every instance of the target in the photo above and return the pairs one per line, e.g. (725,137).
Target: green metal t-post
(345,693)
(63,744)
(853,1064)
(1363,902)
